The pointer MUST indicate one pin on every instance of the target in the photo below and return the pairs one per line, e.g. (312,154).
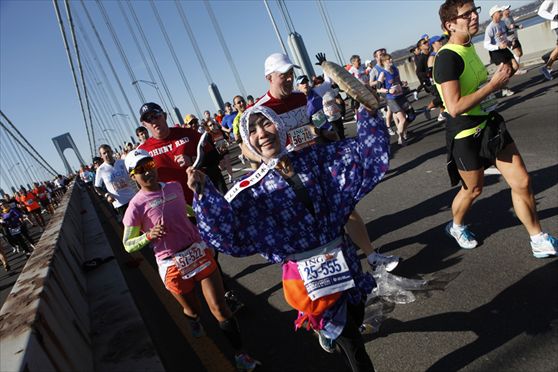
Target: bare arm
(457,105)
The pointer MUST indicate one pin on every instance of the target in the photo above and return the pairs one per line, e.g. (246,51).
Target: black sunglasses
(468,14)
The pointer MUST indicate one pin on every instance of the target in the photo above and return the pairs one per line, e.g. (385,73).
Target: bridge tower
(64,142)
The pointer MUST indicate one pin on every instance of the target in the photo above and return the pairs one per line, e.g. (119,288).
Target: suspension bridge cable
(225,47)
(16,154)
(151,56)
(44,165)
(277,33)
(100,67)
(328,31)
(175,58)
(142,55)
(120,50)
(193,41)
(63,31)
(100,41)
(80,69)
(338,49)
(288,16)
(30,146)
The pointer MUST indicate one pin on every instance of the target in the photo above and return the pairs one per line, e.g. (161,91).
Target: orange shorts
(171,277)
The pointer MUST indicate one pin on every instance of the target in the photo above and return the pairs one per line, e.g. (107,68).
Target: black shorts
(516,44)
(500,56)
(466,152)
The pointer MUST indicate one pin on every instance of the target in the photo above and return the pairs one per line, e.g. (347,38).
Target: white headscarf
(274,118)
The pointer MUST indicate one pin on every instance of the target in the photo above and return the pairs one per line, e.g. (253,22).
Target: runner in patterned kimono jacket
(292,210)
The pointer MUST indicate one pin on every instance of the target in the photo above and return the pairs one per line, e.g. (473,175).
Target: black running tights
(351,341)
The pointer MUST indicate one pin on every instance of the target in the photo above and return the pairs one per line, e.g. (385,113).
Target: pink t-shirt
(167,206)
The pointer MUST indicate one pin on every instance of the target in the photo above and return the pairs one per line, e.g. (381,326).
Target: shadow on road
(529,306)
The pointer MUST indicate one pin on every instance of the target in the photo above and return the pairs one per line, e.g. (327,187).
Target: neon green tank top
(474,74)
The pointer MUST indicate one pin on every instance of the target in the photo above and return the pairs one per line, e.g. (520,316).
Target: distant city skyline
(37,91)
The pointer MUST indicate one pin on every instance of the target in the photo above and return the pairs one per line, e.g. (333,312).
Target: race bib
(301,137)
(325,274)
(319,119)
(192,260)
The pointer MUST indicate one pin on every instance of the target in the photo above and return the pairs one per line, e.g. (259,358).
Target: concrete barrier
(535,40)
(59,318)
(44,323)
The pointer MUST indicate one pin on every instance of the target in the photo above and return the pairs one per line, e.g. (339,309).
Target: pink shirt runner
(167,206)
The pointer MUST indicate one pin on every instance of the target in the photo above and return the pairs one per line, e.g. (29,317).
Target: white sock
(537,238)
(457,227)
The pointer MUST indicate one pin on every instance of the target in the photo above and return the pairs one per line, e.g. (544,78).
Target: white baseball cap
(278,62)
(133,158)
(494,9)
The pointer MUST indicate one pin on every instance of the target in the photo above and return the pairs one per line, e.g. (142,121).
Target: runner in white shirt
(113,175)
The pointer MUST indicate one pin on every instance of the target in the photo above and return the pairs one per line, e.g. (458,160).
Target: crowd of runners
(296,204)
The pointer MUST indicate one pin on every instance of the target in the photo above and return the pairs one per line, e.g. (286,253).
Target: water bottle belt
(471,131)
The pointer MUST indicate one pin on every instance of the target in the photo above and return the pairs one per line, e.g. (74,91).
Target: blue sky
(37,91)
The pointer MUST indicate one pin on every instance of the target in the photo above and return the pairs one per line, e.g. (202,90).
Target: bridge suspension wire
(152,57)
(331,30)
(143,58)
(193,41)
(45,164)
(286,17)
(96,86)
(277,33)
(80,69)
(10,163)
(23,147)
(17,155)
(121,50)
(6,170)
(72,68)
(225,48)
(105,78)
(113,70)
(175,58)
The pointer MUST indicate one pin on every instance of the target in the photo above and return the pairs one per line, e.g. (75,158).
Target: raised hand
(321,57)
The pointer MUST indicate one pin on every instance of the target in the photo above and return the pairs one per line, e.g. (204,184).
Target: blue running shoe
(546,247)
(464,237)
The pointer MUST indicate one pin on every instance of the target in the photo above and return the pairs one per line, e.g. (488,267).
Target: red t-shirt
(291,109)
(41,192)
(181,141)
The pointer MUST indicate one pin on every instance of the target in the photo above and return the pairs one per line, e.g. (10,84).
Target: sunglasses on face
(140,169)
(239,102)
(151,117)
(468,14)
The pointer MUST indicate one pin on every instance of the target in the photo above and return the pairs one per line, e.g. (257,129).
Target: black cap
(149,108)
(301,79)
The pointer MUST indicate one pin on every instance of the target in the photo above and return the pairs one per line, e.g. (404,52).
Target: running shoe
(463,237)
(441,117)
(401,141)
(233,302)
(507,92)
(326,343)
(415,95)
(427,114)
(377,259)
(546,72)
(230,178)
(546,247)
(242,159)
(521,72)
(245,363)
(196,327)
(391,132)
